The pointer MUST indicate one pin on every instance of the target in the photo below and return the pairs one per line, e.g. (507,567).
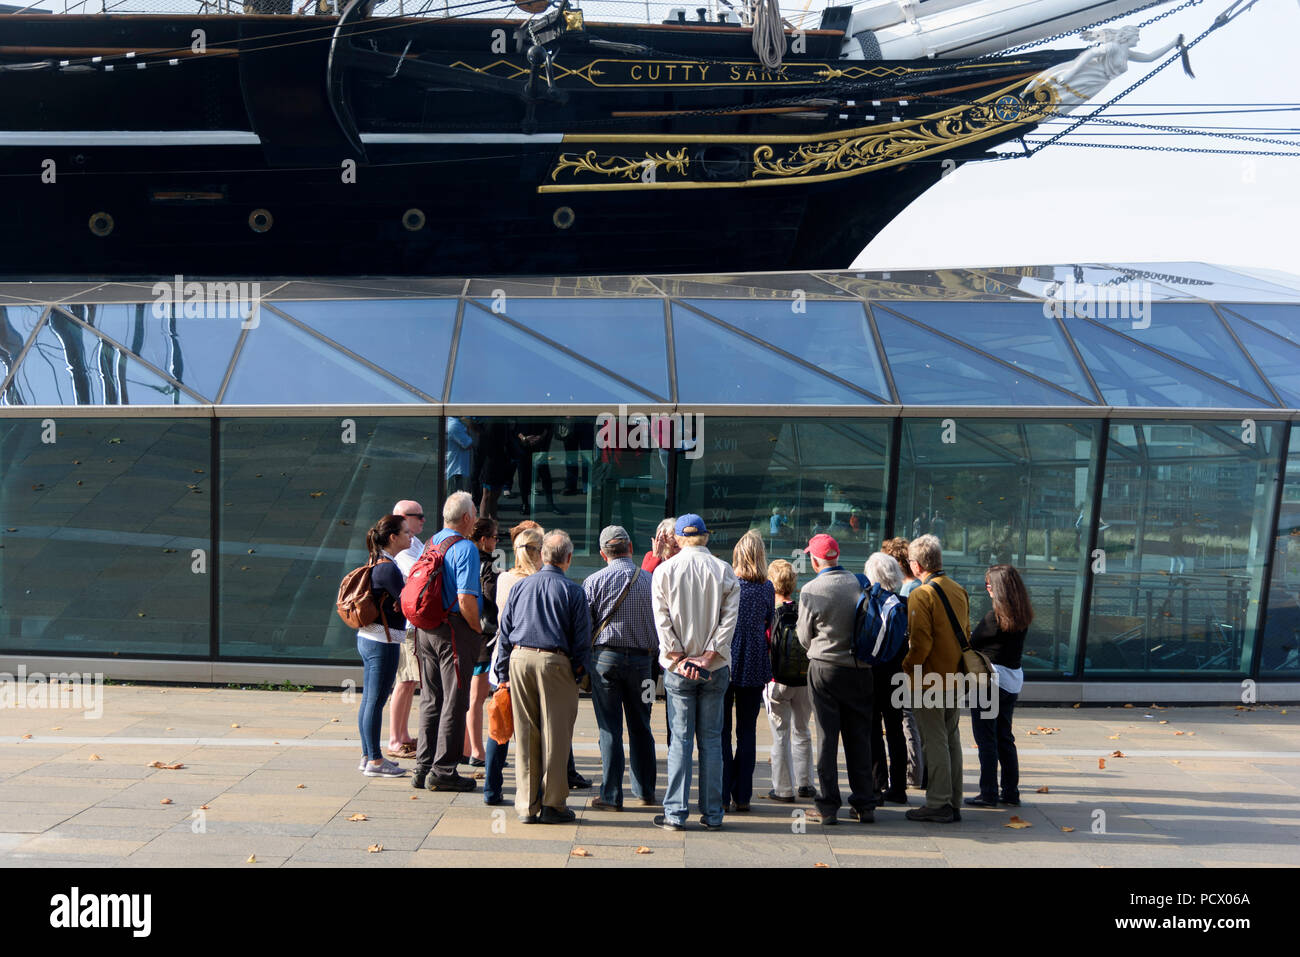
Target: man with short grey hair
(448,652)
(624,640)
(543,647)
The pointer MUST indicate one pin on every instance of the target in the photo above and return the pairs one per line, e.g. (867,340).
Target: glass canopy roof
(1164,335)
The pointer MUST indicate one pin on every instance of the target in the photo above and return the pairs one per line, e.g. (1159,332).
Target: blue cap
(690,525)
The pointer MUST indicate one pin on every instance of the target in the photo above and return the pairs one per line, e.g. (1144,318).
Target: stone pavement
(272,776)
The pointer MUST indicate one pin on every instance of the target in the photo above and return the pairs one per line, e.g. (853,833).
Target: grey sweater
(827,607)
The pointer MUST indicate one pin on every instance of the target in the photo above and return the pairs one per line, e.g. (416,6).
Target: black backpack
(789,660)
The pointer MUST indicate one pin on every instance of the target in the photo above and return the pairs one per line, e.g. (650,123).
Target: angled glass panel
(69,365)
(16,325)
(408,338)
(1002,490)
(496,362)
(946,284)
(834,336)
(780,286)
(1280,654)
(1129,374)
(1283,320)
(929,370)
(1279,358)
(192,342)
(295,507)
(1019,334)
(1186,525)
(1191,333)
(717,366)
(281,364)
(625,336)
(98,532)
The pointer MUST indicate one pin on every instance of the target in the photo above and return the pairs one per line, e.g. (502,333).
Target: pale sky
(1070,204)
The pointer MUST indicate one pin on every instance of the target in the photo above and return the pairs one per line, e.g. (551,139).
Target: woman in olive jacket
(1001,635)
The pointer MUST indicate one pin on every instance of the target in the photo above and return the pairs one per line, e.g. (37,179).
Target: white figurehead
(1085,76)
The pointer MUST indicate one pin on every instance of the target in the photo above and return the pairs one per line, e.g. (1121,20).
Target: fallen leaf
(96,757)
(415,797)
(1242,707)
(820,864)
(1042,790)
(1114,737)
(375,848)
(1164,722)
(1128,706)
(139,614)
(1179,732)
(301,786)
(169,729)
(1101,764)
(234,726)
(479,775)
(317,494)
(1017,823)
(1175,762)
(1077,704)
(114,441)
(252,859)
(252,551)
(357,817)
(644,850)
(1031,732)
(1067,830)
(1191,734)
(1283,711)
(334,720)
(580,852)
(203,807)
(165,801)
(1117,754)
(26,736)
(57,728)
(198,471)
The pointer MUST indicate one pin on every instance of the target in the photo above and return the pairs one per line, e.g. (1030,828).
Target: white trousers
(789,712)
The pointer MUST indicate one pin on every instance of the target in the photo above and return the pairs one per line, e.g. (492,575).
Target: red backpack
(422,593)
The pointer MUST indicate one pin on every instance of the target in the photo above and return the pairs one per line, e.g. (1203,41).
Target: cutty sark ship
(431,142)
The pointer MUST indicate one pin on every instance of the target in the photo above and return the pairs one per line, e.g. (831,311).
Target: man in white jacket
(696,599)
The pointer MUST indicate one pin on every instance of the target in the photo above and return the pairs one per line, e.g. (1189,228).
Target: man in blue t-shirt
(448,653)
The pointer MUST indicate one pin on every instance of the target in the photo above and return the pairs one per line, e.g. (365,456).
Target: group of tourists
(730,641)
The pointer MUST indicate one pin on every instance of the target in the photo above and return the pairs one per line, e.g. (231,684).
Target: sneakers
(663,822)
(557,815)
(452,782)
(417,782)
(980,802)
(599,805)
(773,796)
(386,769)
(710,827)
(578,783)
(807,792)
(935,815)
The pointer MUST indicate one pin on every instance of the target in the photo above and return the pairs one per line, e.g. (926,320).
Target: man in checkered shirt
(623,649)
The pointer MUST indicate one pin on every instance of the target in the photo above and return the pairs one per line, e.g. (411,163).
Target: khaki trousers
(941,740)
(544,702)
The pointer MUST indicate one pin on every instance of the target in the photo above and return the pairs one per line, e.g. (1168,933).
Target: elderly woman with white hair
(890,778)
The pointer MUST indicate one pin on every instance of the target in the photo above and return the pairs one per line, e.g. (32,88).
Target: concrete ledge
(1162,692)
(188,672)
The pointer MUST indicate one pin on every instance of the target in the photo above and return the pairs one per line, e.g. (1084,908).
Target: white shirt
(1010,681)
(406,559)
(696,602)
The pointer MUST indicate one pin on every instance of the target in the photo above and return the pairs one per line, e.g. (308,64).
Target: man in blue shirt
(448,653)
(544,646)
(459,455)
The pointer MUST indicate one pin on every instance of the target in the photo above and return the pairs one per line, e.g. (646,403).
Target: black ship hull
(305,146)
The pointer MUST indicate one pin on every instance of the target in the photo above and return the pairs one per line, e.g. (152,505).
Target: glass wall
(1280,651)
(789,479)
(101,519)
(297,496)
(1186,520)
(1006,491)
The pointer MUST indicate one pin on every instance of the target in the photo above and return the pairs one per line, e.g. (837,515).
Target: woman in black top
(380,643)
(484,535)
(1001,635)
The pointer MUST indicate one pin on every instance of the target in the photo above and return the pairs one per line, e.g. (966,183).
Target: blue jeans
(379,661)
(997,745)
(695,711)
(620,683)
(495,766)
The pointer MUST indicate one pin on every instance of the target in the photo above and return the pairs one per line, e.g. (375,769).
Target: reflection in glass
(296,500)
(1277,356)
(99,531)
(1185,519)
(194,351)
(789,479)
(1280,651)
(1006,491)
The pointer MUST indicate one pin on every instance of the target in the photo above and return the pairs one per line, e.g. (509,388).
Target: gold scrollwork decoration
(626,166)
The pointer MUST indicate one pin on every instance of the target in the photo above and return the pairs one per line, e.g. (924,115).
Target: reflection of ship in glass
(433,142)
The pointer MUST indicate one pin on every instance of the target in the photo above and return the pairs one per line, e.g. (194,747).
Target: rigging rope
(769,33)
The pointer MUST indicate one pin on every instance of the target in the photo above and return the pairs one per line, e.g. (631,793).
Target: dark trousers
(619,687)
(738,765)
(997,745)
(494,769)
(891,778)
(447,655)
(841,699)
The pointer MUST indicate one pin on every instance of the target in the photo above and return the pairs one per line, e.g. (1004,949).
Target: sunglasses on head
(419,515)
